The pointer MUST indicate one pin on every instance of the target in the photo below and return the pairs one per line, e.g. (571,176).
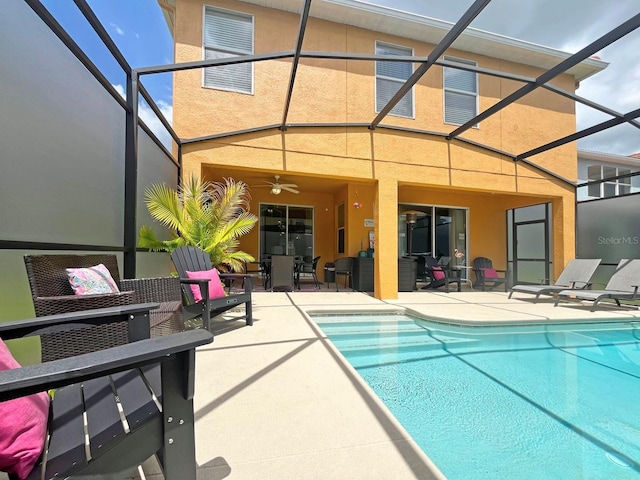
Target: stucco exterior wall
(383,166)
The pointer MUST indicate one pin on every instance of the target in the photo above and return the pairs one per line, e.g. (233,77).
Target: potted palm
(208,215)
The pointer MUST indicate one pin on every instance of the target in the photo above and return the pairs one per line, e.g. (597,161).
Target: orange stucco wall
(378,168)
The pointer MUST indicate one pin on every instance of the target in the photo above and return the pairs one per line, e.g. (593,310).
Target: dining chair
(344,267)
(309,269)
(282,275)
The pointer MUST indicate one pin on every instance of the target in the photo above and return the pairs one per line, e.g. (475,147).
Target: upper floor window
(460,93)
(228,34)
(390,76)
(610,188)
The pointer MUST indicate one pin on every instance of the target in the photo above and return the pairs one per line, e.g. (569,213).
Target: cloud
(118,30)
(149,117)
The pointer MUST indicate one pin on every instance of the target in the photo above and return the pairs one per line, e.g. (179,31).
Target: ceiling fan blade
(289,189)
(290,185)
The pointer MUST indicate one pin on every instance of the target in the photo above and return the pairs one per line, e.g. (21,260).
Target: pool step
(351,326)
(392,345)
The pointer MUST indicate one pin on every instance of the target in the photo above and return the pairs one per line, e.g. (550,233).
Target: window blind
(390,76)
(460,93)
(228,34)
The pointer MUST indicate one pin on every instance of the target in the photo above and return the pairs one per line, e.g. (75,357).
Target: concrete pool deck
(276,401)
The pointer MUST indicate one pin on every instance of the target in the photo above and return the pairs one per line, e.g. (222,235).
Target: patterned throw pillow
(92,280)
(216,290)
(23,426)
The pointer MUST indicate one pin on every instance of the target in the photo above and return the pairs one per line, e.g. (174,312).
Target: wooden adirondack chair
(193,259)
(84,397)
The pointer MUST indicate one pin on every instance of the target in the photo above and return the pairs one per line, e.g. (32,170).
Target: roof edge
(595,64)
(608,157)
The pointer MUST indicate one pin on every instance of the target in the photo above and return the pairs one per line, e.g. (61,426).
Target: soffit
(429,30)
(608,158)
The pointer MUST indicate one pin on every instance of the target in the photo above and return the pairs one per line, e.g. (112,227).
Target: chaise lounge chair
(623,285)
(576,275)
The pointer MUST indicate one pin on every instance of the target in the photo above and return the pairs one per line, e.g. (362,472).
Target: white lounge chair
(623,285)
(576,275)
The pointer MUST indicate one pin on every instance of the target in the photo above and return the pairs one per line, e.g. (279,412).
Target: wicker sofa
(52,295)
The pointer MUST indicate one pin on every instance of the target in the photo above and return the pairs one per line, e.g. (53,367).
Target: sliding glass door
(432,231)
(286,230)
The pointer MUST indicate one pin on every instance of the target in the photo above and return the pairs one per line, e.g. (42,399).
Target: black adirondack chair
(440,276)
(487,276)
(194,259)
(83,383)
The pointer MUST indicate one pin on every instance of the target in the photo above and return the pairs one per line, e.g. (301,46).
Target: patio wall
(608,228)
(62,173)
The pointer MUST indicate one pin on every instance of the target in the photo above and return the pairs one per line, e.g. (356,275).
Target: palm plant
(209,215)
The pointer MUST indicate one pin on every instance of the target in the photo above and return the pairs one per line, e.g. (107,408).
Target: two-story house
(310,111)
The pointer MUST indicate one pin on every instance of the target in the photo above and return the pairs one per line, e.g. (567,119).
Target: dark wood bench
(153,382)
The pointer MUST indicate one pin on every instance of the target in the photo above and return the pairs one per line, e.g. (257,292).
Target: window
(611,188)
(341,223)
(390,76)
(228,34)
(460,93)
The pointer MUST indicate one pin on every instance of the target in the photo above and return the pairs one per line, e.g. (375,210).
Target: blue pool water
(521,402)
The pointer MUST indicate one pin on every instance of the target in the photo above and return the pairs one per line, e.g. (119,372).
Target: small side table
(460,269)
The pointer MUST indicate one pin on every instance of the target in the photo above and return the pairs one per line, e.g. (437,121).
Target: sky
(139,30)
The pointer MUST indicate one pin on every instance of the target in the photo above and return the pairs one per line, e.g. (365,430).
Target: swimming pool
(519,402)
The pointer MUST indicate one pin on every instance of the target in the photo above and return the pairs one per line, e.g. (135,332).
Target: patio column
(386,246)
(564,234)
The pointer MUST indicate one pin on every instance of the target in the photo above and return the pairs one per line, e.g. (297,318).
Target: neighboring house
(600,166)
(355,180)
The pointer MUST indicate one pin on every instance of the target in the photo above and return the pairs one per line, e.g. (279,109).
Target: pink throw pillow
(92,280)
(216,290)
(23,426)
(490,273)
(438,274)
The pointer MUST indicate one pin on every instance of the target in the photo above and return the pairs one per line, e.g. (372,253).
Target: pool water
(521,402)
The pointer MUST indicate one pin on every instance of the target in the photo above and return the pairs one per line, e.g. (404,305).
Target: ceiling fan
(277,187)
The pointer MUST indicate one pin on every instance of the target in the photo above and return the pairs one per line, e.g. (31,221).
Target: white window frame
(211,9)
(459,92)
(617,184)
(393,79)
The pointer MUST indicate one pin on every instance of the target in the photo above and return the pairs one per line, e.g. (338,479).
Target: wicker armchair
(52,294)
